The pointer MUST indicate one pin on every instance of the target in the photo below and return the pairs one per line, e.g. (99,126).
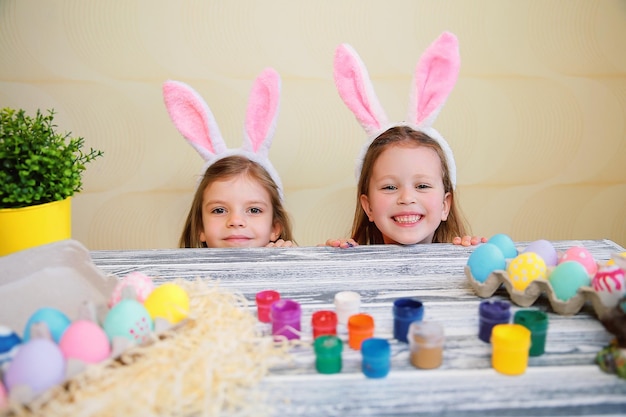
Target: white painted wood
(564,381)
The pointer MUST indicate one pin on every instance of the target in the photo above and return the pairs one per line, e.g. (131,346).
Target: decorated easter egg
(56,321)
(581,255)
(485,259)
(525,268)
(140,284)
(129,319)
(168,301)
(9,343)
(38,364)
(610,284)
(567,278)
(505,243)
(85,340)
(3,397)
(545,249)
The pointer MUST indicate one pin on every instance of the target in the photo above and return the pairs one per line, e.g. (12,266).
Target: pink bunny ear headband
(194,120)
(433,80)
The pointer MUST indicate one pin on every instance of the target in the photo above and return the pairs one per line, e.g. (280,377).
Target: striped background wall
(536,120)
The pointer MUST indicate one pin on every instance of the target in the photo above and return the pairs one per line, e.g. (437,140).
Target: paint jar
(510,346)
(328,354)
(347,303)
(405,312)
(491,313)
(285,315)
(264,300)
(537,322)
(324,322)
(376,355)
(426,340)
(360,327)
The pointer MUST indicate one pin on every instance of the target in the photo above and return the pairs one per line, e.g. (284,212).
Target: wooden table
(563,381)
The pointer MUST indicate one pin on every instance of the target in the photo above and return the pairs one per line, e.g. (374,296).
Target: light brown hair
(365,232)
(224,169)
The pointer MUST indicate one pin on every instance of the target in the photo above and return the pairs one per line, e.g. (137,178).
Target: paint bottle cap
(324,322)
(347,303)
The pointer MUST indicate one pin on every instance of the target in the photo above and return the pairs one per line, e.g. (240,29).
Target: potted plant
(40,170)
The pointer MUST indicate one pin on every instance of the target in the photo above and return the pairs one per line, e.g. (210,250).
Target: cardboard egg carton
(533,291)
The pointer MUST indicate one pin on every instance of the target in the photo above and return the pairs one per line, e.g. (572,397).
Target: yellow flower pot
(26,227)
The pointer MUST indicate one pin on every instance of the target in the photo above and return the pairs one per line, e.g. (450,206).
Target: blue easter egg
(485,259)
(55,319)
(505,243)
(567,278)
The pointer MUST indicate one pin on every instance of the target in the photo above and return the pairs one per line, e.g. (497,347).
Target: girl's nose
(236,220)
(406,196)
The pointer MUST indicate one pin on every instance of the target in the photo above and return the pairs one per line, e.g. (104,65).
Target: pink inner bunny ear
(356,90)
(435,76)
(262,112)
(193,118)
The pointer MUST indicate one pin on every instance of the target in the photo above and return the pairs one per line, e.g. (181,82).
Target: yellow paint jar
(510,347)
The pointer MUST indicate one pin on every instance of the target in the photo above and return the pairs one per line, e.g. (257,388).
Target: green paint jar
(328,354)
(537,322)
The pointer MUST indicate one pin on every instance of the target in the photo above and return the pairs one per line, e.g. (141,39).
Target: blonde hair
(365,232)
(227,168)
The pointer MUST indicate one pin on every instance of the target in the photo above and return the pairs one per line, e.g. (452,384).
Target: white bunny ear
(262,113)
(356,90)
(193,119)
(435,75)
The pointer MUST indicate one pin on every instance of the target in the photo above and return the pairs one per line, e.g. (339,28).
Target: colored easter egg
(85,340)
(4,401)
(168,301)
(56,321)
(139,283)
(9,343)
(567,278)
(505,243)
(610,284)
(581,255)
(525,268)
(485,259)
(545,249)
(38,364)
(129,319)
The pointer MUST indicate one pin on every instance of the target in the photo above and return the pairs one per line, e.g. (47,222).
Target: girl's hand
(468,240)
(281,244)
(340,243)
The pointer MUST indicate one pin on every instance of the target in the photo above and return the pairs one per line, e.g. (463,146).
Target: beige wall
(536,121)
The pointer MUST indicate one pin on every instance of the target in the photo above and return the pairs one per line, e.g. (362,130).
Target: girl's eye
(255,210)
(218,210)
(422,186)
(390,187)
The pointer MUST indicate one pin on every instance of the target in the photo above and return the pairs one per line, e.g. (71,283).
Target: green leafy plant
(37,164)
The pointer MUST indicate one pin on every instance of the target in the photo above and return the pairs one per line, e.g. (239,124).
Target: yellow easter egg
(525,268)
(168,301)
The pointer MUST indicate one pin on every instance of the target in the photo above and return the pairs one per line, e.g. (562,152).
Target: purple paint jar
(491,313)
(285,315)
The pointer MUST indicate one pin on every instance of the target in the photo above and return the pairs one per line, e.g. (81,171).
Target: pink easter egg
(141,284)
(86,341)
(581,255)
(610,284)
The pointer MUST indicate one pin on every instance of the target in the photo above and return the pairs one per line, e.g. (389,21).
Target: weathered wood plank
(563,381)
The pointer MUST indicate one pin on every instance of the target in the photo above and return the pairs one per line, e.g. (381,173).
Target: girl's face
(237,213)
(406,199)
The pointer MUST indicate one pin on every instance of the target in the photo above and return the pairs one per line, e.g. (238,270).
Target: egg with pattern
(9,343)
(610,284)
(581,255)
(525,268)
(129,319)
(139,283)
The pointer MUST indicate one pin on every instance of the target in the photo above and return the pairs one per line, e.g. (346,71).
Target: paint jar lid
(495,310)
(264,299)
(511,336)
(285,310)
(534,320)
(425,334)
(408,308)
(361,322)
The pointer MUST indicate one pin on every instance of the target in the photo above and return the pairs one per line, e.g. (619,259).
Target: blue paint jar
(405,312)
(376,354)
(491,313)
